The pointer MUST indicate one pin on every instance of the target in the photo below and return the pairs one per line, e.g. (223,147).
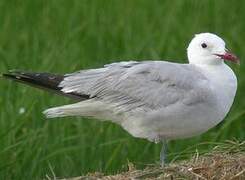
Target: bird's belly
(186,123)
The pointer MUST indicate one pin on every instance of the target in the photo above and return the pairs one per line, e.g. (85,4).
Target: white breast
(224,84)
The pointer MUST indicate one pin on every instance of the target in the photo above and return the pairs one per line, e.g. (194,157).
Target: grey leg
(163,154)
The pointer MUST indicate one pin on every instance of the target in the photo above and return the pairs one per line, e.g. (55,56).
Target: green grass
(63,36)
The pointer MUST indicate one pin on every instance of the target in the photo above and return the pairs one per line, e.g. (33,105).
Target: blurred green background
(64,36)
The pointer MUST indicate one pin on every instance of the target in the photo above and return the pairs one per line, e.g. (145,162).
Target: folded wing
(130,86)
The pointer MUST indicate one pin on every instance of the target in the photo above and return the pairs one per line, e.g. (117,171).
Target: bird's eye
(204,45)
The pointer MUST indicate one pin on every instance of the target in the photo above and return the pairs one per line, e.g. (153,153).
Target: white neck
(204,60)
(223,82)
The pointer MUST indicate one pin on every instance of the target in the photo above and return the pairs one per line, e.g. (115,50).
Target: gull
(154,100)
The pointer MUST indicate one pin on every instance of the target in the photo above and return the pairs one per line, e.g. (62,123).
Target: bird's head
(209,49)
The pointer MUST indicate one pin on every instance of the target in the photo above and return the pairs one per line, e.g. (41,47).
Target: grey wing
(129,86)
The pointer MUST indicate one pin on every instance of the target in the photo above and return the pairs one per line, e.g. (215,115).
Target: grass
(225,161)
(64,36)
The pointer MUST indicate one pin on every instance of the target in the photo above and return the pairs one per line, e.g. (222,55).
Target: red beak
(228,56)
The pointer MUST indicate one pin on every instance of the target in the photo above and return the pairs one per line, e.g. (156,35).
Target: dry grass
(224,162)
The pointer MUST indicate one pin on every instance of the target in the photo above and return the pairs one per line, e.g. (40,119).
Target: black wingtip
(6,75)
(40,79)
(45,81)
(12,74)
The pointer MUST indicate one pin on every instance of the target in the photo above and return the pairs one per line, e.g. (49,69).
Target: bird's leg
(163,154)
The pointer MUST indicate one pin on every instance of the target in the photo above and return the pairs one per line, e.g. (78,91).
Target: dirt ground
(218,164)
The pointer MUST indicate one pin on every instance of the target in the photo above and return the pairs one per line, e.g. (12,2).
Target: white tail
(87,108)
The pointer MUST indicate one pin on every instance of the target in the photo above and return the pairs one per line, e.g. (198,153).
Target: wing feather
(148,85)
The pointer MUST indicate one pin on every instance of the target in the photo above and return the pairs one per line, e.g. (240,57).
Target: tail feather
(45,81)
(88,108)
(54,112)
(83,108)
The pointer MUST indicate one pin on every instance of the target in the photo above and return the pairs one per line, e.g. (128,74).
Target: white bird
(155,100)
